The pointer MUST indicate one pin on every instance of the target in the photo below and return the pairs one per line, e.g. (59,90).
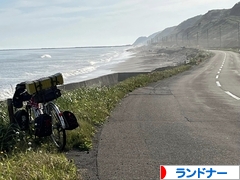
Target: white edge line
(225,57)
(232,95)
(218,83)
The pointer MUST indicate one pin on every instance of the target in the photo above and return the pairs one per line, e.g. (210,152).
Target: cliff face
(235,11)
(216,28)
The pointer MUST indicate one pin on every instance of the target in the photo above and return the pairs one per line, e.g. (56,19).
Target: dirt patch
(86,161)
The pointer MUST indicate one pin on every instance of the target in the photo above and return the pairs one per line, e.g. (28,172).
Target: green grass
(37,165)
(21,157)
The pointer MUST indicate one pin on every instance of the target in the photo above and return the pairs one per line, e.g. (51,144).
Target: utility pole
(176,38)
(238,38)
(197,39)
(220,33)
(207,40)
(238,35)
(182,38)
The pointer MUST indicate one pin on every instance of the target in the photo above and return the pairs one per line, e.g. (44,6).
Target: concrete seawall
(107,80)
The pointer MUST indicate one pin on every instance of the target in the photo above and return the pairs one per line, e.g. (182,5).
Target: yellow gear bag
(44,83)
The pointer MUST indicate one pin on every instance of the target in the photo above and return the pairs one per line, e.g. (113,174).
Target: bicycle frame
(40,108)
(37,110)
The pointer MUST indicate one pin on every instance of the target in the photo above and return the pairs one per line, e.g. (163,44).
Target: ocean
(76,64)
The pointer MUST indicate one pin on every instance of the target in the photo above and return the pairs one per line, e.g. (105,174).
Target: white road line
(225,57)
(232,95)
(218,83)
(219,71)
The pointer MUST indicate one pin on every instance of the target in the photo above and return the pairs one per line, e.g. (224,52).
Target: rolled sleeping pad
(44,83)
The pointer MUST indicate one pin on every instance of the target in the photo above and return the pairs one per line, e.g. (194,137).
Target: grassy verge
(91,106)
(37,165)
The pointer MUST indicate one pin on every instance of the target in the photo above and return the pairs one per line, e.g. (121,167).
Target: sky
(80,23)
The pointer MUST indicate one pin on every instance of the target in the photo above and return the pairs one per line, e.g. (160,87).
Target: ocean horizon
(36,48)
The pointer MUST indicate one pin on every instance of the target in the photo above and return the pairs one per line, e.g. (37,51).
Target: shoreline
(146,59)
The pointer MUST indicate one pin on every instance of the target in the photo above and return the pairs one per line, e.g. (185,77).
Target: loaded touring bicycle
(32,109)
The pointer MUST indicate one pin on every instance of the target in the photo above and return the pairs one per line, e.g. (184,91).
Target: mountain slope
(143,40)
(140,40)
(216,28)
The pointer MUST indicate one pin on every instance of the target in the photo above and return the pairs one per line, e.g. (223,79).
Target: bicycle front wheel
(58,135)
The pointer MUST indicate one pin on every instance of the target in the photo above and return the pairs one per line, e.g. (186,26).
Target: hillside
(216,28)
(143,40)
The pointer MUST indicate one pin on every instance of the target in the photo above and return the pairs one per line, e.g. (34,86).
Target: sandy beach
(148,58)
(144,59)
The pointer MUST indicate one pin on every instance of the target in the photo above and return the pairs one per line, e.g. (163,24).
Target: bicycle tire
(58,135)
(10,110)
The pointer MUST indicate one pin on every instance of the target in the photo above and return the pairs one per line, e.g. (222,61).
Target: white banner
(199,172)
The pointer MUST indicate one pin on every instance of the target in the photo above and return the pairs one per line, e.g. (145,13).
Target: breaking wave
(46,56)
(79,71)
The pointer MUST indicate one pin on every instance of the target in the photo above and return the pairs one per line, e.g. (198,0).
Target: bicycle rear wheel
(58,135)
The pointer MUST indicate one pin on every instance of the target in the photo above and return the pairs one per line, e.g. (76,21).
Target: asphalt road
(192,118)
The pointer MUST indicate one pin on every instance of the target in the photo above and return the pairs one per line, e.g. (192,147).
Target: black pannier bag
(47,95)
(70,120)
(43,125)
(20,95)
(22,119)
